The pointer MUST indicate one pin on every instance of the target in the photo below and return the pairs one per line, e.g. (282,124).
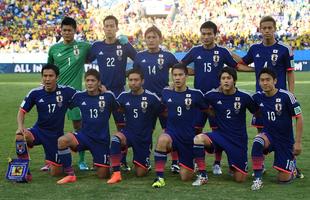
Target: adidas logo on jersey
(83,103)
(257,56)
(127,104)
(59,54)
(198,57)
(219,102)
(169,100)
(143,61)
(41,101)
(100,53)
(261,105)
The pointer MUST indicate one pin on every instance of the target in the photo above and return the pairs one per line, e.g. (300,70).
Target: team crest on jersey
(188,101)
(59,98)
(144,104)
(278,100)
(101,103)
(160,61)
(76,50)
(237,105)
(216,59)
(119,52)
(274,58)
(278,108)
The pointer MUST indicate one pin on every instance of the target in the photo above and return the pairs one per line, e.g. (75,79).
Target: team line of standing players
(182,111)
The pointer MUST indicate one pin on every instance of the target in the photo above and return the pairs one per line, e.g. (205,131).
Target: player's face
(92,83)
(179,78)
(152,41)
(227,82)
(67,33)
(207,36)
(267,30)
(49,80)
(267,83)
(110,28)
(135,82)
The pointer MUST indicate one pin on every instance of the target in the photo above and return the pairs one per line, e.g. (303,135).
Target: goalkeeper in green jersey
(70,56)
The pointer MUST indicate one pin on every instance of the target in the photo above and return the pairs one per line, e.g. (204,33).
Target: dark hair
(52,67)
(92,72)
(209,24)
(268,71)
(135,71)
(268,19)
(181,66)
(153,29)
(229,70)
(111,17)
(69,21)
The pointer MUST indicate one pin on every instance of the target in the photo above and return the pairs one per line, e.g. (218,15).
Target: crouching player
(229,107)
(96,108)
(277,107)
(182,104)
(52,102)
(141,108)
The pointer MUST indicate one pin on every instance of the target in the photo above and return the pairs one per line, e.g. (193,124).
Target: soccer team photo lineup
(171,111)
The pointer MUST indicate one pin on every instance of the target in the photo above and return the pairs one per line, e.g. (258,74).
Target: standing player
(277,107)
(51,101)
(141,108)
(96,108)
(70,56)
(229,106)
(182,105)
(112,57)
(209,59)
(155,64)
(272,54)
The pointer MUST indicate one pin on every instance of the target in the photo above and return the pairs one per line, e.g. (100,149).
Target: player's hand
(297,148)
(102,88)
(123,39)
(20,130)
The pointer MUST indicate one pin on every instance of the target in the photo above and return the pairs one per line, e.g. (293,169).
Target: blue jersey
(51,107)
(278,57)
(155,67)
(95,111)
(112,62)
(182,108)
(141,112)
(277,112)
(230,113)
(207,65)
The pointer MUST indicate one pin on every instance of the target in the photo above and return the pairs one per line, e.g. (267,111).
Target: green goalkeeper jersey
(70,59)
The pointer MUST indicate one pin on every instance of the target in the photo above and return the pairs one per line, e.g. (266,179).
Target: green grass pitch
(13,88)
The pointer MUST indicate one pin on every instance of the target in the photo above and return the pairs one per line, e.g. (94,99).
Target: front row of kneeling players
(180,104)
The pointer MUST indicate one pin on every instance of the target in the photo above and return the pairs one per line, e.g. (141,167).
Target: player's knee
(63,142)
(140,172)
(163,140)
(55,170)
(103,172)
(284,177)
(199,139)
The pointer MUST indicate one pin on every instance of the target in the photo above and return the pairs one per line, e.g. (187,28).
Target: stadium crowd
(33,25)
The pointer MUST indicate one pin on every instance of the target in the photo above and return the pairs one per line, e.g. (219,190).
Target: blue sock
(66,160)
(258,156)
(199,156)
(160,161)
(115,153)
